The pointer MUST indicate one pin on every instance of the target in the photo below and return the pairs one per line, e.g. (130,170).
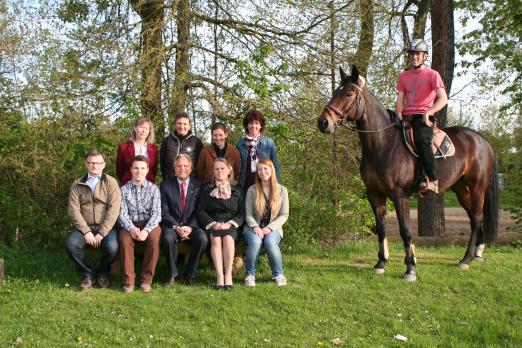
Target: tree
(496,39)
(431,207)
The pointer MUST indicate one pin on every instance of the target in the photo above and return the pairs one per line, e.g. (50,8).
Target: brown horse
(388,170)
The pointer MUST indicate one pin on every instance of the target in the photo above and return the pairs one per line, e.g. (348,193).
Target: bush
(41,159)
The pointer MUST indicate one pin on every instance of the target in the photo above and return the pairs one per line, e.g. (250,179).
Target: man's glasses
(95,163)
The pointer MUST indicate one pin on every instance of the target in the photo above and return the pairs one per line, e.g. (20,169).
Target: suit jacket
(124,159)
(212,209)
(171,213)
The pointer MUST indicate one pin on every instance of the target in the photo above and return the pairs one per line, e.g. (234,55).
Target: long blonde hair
(150,138)
(273,196)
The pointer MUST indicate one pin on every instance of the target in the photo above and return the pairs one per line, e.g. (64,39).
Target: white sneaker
(280,280)
(250,280)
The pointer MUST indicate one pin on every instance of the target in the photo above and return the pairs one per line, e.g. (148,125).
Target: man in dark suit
(179,196)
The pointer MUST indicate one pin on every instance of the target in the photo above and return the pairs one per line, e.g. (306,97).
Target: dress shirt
(92,181)
(140,203)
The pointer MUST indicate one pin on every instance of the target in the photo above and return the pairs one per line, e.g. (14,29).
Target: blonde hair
(273,196)
(231,179)
(150,138)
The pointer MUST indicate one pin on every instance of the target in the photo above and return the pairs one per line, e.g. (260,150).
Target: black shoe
(87,284)
(219,287)
(229,287)
(170,281)
(190,281)
(103,280)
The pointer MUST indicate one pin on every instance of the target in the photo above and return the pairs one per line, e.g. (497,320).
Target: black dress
(211,209)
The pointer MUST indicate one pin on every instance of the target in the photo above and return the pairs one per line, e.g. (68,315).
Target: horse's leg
(472,202)
(403,216)
(378,203)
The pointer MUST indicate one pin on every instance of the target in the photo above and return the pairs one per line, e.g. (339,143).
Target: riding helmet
(418,45)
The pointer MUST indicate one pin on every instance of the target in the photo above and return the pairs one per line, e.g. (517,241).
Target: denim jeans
(271,245)
(75,246)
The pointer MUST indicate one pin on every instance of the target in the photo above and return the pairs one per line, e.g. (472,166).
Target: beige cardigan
(276,221)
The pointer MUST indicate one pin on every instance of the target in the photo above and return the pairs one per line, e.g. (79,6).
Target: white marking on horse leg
(479,250)
(384,249)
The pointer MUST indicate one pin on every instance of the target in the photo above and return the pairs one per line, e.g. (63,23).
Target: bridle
(342,117)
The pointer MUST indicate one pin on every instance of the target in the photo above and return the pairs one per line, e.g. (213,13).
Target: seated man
(94,205)
(179,196)
(140,216)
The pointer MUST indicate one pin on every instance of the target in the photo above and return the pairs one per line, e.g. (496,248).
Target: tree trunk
(366,36)
(178,97)
(151,57)
(2,270)
(431,207)
(419,24)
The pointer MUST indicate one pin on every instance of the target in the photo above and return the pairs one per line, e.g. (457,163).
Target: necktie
(183,195)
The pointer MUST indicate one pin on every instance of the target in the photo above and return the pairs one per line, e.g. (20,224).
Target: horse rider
(421,93)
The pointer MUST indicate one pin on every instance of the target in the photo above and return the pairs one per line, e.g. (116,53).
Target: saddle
(442,145)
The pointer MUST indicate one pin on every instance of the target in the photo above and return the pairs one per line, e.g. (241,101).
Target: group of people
(209,195)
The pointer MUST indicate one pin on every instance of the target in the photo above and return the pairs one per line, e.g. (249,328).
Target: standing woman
(267,210)
(218,149)
(221,212)
(253,147)
(141,142)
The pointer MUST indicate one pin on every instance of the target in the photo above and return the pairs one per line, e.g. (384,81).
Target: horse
(388,170)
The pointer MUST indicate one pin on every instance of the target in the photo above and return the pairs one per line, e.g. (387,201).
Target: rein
(342,115)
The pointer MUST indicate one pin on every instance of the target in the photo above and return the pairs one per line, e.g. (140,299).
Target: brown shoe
(103,280)
(87,284)
(170,281)
(433,186)
(126,288)
(146,287)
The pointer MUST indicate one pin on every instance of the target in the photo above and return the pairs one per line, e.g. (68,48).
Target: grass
(333,299)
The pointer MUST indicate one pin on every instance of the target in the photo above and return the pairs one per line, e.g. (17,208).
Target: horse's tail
(490,210)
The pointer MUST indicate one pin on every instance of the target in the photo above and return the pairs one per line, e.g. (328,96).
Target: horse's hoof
(378,270)
(410,277)
(463,266)
(478,259)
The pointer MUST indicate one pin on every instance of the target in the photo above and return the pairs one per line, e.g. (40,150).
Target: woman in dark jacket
(221,211)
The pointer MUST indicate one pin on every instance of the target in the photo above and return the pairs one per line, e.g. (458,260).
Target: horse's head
(345,104)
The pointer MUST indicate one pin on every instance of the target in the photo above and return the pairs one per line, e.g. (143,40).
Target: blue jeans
(271,244)
(75,246)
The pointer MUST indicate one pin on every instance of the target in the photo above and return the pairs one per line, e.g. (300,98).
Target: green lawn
(333,299)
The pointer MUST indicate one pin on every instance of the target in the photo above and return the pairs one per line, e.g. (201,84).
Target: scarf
(252,143)
(221,191)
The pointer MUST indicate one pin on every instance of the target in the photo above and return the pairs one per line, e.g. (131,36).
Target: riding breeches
(423,136)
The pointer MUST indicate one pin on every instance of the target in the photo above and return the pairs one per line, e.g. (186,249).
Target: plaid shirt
(140,203)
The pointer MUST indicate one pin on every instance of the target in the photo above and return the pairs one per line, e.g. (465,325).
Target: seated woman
(218,149)
(221,212)
(141,142)
(266,211)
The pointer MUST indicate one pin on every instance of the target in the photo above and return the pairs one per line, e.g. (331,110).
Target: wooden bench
(183,249)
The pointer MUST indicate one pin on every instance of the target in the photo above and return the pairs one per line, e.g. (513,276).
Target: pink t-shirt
(419,89)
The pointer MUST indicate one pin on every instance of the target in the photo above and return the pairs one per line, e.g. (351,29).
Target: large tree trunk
(431,207)
(178,97)
(151,56)
(366,36)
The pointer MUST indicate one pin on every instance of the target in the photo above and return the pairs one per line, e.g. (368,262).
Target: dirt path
(457,228)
